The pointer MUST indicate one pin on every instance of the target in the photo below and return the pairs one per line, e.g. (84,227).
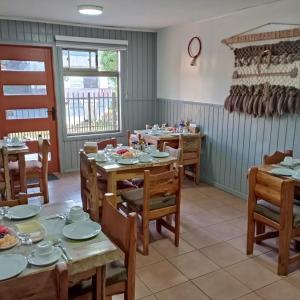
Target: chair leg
(177,228)
(260,229)
(145,237)
(45,190)
(250,235)
(158,226)
(197,173)
(283,253)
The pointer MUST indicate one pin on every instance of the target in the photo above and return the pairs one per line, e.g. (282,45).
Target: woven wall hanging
(266,78)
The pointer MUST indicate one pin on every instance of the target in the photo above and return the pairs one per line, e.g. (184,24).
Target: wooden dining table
(268,168)
(115,172)
(86,255)
(158,137)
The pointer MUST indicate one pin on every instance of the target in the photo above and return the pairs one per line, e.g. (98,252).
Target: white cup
(100,156)
(155,127)
(288,159)
(44,248)
(76,213)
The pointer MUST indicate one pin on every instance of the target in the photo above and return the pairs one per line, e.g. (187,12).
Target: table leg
(22,170)
(99,292)
(111,183)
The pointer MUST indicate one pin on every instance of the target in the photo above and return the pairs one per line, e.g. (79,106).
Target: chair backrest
(176,153)
(276,157)
(163,184)
(43,152)
(88,184)
(5,184)
(46,285)
(122,231)
(102,144)
(278,191)
(132,138)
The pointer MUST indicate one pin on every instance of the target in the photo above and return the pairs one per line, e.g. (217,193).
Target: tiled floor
(210,262)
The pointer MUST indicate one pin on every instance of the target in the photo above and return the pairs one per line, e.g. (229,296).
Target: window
(24,90)
(22,65)
(91,91)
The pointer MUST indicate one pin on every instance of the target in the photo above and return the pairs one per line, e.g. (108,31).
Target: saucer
(39,260)
(84,217)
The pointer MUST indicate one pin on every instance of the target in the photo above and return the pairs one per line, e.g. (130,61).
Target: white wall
(210,80)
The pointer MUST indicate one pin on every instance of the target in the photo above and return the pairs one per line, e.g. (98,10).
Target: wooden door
(27,98)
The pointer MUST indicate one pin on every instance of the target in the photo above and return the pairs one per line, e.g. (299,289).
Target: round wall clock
(194,49)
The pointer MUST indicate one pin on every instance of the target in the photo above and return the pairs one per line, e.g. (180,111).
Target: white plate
(145,159)
(160,154)
(282,172)
(128,161)
(11,265)
(97,157)
(21,144)
(84,217)
(20,212)
(81,230)
(13,233)
(46,260)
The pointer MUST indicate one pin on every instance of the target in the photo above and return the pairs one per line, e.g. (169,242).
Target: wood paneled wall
(138,88)
(234,141)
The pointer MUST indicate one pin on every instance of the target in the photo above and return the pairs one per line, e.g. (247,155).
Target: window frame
(91,72)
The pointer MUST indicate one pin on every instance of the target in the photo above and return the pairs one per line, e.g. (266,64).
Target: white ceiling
(150,14)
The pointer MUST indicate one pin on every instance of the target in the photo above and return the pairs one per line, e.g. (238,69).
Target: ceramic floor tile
(220,285)
(167,248)
(251,296)
(223,254)
(241,241)
(252,274)
(279,290)
(183,291)
(153,257)
(294,279)
(199,238)
(226,212)
(202,219)
(160,276)
(224,231)
(152,297)
(240,222)
(193,264)
(140,289)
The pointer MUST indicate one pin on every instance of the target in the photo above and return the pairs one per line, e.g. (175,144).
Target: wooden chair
(102,144)
(120,276)
(46,285)
(122,232)
(91,195)
(276,157)
(35,170)
(94,186)
(5,187)
(22,199)
(191,150)
(159,198)
(132,138)
(271,203)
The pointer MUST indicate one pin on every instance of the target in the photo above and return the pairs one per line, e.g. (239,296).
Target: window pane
(18,114)
(108,60)
(30,135)
(65,55)
(81,59)
(22,65)
(91,104)
(18,90)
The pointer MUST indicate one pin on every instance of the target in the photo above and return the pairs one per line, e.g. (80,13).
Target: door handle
(53,113)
